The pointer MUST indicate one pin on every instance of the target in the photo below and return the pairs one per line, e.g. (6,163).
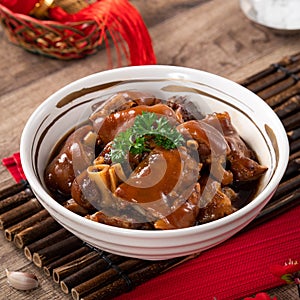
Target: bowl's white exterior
(254,119)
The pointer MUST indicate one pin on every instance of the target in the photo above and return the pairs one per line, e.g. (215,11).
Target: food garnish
(146,126)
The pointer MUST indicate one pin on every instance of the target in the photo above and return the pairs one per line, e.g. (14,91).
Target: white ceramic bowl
(282,17)
(254,119)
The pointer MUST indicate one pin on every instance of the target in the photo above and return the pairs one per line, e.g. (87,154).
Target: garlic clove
(22,280)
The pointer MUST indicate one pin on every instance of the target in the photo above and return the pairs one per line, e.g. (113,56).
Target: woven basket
(63,41)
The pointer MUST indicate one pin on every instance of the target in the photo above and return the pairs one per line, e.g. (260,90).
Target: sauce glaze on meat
(211,175)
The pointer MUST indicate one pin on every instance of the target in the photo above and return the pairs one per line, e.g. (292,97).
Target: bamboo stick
(290,59)
(130,281)
(287,186)
(19,213)
(294,134)
(295,146)
(250,81)
(292,122)
(89,286)
(89,271)
(48,269)
(12,190)
(276,92)
(288,107)
(14,200)
(289,62)
(274,99)
(13,230)
(56,250)
(294,155)
(35,232)
(73,266)
(293,168)
(272,76)
(46,241)
(275,208)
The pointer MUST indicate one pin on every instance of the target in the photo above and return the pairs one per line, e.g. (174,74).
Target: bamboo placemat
(88,273)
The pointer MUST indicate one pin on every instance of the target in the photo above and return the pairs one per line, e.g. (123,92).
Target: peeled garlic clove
(22,280)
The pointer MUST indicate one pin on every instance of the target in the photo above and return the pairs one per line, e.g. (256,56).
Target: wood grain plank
(157,11)
(218,38)
(24,67)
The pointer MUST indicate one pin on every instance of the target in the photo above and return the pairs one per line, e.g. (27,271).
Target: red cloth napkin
(13,165)
(235,269)
(232,270)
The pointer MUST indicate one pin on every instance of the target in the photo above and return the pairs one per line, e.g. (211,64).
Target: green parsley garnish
(146,126)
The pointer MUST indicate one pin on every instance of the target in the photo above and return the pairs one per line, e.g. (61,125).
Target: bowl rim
(137,233)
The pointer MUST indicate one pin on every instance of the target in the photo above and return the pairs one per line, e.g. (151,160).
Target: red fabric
(235,269)
(13,165)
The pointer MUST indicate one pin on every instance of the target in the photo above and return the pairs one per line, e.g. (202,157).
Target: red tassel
(124,25)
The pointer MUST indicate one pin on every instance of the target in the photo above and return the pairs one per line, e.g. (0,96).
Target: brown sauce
(179,188)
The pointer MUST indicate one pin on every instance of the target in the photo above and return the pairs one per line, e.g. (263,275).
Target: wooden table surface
(214,36)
